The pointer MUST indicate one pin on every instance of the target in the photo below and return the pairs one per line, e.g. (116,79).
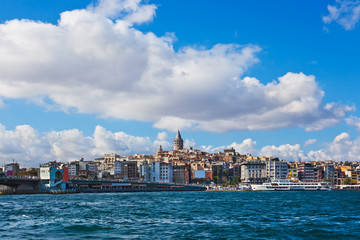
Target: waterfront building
(198,176)
(106,164)
(145,171)
(339,176)
(209,176)
(217,172)
(51,175)
(236,170)
(180,174)
(126,170)
(74,169)
(293,172)
(355,176)
(253,172)
(178,142)
(130,170)
(161,172)
(318,174)
(306,172)
(92,168)
(118,169)
(12,168)
(276,169)
(329,171)
(82,165)
(229,151)
(230,155)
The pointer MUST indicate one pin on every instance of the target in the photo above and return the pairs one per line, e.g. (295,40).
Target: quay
(19,185)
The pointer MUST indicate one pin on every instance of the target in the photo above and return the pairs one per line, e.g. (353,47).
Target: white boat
(288,185)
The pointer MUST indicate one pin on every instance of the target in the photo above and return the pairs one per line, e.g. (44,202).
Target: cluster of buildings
(187,166)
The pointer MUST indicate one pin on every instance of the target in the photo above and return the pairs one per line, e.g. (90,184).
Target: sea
(182,215)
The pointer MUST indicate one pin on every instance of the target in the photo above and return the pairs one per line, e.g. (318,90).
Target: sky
(269,78)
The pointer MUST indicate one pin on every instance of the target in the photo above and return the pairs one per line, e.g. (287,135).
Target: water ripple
(182,215)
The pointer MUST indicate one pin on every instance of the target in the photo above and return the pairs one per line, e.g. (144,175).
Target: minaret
(160,149)
(178,142)
(158,155)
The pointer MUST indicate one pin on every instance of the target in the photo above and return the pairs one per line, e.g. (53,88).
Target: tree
(347,164)
(216,179)
(347,181)
(235,181)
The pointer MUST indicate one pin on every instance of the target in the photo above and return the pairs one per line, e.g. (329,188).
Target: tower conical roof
(178,135)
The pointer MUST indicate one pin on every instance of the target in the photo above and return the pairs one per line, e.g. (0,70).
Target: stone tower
(159,149)
(178,142)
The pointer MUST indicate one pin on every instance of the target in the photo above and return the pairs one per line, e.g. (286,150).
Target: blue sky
(273,78)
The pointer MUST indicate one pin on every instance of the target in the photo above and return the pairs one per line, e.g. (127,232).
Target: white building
(276,169)
(161,172)
(253,172)
(73,169)
(145,171)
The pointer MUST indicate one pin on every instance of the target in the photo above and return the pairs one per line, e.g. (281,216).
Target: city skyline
(80,79)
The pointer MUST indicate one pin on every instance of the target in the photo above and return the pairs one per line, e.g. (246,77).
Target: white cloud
(162,139)
(286,151)
(353,121)
(344,12)
(293,100)
(92,64)
(174,123)
(162,136)
(66,145)
(190,143)
(120,142)
(2,104)
(341,149)
(310,142)
(132,11)
(247,146)
(30,148)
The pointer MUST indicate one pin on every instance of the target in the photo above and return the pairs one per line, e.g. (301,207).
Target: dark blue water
(182,215)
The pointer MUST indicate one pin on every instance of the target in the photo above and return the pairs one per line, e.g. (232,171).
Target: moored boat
(288,185)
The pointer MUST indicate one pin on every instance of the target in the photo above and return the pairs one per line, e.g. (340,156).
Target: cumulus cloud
(247,146)
(344,12)
(94,61)
(294,100)
(310,142)
(341,149)
(30,148)
(162,139)
(353,121)
(161,136)
(286,151)
(132,11)
(174,123)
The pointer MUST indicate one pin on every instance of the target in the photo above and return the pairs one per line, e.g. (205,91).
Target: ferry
(288,185)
